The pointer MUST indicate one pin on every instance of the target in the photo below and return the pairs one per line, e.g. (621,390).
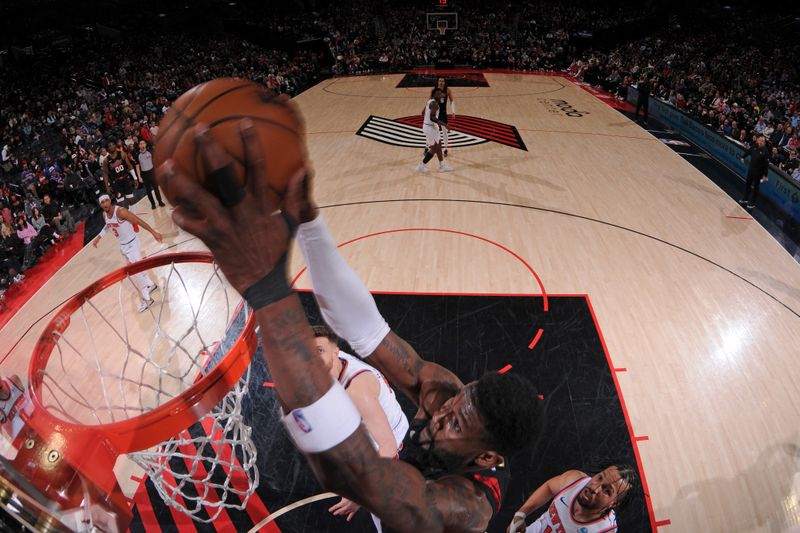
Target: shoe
(18,278)
(162,204)
(444,167)
(152,206)
(750,206)
(445,153)
(145,304)
(422,168)
(742,202)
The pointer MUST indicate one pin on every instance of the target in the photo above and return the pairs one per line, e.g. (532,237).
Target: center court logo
(464,131)
(561,107)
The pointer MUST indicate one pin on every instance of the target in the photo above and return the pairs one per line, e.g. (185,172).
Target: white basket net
(113,363)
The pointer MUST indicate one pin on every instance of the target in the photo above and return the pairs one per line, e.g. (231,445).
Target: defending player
(120,222)
(116,174)
(580,504)
(430,127)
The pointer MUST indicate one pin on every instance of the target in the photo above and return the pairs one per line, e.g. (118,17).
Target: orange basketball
(221,104)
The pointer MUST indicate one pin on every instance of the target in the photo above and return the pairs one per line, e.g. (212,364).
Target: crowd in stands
(733,83)
(56,119)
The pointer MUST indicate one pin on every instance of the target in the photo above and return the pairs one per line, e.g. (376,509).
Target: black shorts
(123,186)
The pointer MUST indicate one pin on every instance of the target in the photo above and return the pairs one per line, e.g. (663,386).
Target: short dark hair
(325,331)
(511,411)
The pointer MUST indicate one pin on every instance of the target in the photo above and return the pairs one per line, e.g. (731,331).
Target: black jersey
(117,169)
(442,108)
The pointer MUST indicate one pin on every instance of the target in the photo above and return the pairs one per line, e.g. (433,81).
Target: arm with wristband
(249,239)
(541,496)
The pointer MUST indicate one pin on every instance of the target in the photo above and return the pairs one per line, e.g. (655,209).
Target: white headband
(103,197)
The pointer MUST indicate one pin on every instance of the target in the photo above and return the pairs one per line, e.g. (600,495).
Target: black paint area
(584,428)
(468,79)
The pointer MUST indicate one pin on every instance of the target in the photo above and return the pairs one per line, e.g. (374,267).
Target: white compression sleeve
(346,304)
(452,107)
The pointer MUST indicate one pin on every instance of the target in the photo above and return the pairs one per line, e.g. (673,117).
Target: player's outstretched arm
(126,214)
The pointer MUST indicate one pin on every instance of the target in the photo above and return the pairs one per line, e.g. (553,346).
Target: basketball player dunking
(430,127)
(452,474)
(441,85)
(120,222)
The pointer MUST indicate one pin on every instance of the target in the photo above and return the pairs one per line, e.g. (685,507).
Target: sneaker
(749,206)
(18,278)
(445,153)
(444,167)
(162,204)
(422,168)
(152,206)
(742,202)
(145,304)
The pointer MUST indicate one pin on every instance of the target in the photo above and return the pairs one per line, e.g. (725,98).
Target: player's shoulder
(461,502)
(363,381)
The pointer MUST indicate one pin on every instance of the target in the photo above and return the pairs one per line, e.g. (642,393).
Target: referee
(144,169)
(756,172)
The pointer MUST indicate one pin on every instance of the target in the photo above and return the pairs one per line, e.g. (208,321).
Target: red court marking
(634,442)
(623,369)
(739,218)
(35,277)
(269,384)
(144,507)
(662,523)
(641,438)
(137,479)
(596,134)
(504,369)
(545,301)
(536,339)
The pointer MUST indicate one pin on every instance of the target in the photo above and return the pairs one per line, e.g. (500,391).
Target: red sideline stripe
(536,338)
(662,523)
(739,218)
(269,384)
(504,369)
(255,507)
(641,438)
(623,369)
(636,453)
(145,508)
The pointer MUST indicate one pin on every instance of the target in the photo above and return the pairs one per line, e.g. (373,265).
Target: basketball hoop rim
(163,422)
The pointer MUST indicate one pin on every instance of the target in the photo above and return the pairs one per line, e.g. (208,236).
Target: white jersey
(426,117)
(122,229)
(559,519)
(352,367)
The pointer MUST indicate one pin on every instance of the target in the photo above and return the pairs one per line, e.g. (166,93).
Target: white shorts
(431,135)
(132,251)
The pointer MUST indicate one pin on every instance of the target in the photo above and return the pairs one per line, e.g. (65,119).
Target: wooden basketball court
(698,306)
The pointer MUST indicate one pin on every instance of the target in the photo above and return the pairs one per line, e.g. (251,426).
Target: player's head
(105,202)
(327,345)
(497,415)
(609,489)
(111,147)
(441,83)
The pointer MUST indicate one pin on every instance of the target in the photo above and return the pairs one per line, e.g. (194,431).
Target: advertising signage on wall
(780,190)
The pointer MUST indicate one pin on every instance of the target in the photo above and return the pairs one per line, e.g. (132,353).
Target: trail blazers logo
(464,131)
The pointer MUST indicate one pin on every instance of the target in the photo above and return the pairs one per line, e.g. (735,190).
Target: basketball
(221,104)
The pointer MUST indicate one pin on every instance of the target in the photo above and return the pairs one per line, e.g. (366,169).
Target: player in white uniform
(374,398)
(430,127)
(580,504)
(121,222)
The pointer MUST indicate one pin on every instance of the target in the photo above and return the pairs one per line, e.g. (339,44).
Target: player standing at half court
(441,85)
(430,127)
(120,222)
